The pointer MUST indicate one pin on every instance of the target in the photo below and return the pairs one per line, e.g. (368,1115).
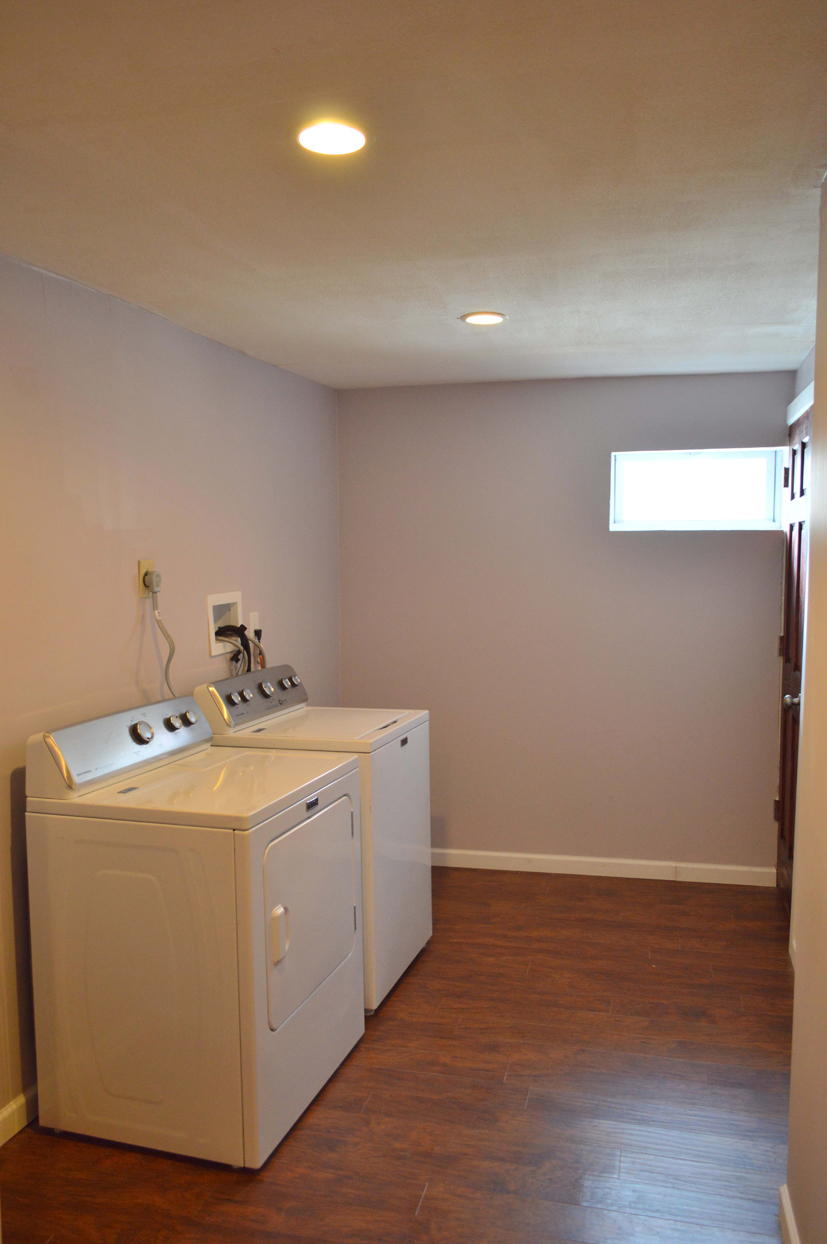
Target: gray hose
(170,642)
(256,644)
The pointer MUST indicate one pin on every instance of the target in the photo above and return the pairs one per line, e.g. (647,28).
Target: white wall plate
(223,609)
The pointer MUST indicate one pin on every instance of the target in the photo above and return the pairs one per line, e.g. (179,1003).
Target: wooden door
(796,507)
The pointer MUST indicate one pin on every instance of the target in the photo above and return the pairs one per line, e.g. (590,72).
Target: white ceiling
(634,183)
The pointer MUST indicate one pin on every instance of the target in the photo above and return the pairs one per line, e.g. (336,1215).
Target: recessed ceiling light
(483,317)
(332,138)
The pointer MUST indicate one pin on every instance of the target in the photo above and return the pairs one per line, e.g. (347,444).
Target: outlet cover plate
(143,567)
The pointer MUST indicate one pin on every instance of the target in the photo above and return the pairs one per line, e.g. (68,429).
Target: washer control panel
(259,693)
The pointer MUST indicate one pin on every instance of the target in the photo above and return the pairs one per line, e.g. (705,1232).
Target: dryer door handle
(279,932)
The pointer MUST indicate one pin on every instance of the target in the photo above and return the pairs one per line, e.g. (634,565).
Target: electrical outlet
(143,567)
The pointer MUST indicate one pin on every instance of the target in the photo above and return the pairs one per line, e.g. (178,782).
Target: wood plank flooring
(572,1060)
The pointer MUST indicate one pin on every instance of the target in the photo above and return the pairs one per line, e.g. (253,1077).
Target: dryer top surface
(215,789)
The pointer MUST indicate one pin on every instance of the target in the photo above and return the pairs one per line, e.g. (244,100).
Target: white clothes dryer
(268,709)
(196,946)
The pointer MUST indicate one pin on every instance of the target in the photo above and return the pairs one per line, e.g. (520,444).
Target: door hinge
(776,809)
(786,477)
(354,919)
(781,645)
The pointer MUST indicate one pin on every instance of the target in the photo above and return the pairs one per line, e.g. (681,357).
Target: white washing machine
(268,709)
(196,945)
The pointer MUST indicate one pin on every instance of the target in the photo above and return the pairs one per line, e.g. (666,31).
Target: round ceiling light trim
(483,317)
(332,138)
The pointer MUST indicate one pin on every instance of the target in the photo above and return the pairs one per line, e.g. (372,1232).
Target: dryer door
(310,907)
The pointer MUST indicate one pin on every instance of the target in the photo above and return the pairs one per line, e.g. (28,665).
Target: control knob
(142,732)
(233,697)
(173,722)
(266,689)
(285,683)
(247,694)
(189,718)
(295,680)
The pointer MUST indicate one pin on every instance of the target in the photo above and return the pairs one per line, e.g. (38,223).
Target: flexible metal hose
(168,638)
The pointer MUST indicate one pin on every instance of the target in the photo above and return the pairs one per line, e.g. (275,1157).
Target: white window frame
(776,456)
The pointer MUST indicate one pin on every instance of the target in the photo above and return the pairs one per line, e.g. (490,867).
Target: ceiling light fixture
(483,317)
(332,138)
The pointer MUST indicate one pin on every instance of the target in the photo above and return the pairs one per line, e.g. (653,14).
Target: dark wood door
(796,507)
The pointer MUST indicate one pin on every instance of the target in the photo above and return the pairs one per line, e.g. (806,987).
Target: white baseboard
(597,866)
(726,874)
(18,1113)
(789,1231)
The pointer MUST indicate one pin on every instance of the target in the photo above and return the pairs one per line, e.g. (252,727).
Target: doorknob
(791,701)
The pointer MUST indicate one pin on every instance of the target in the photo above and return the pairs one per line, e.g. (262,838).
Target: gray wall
(125,437)
(808,1104)
(592,693)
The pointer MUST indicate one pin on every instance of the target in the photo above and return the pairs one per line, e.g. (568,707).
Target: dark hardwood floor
(572,1059)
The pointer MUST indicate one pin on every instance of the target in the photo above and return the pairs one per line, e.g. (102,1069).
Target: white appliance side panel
(368,920)
(283,1070)
(136,983)
(400,846)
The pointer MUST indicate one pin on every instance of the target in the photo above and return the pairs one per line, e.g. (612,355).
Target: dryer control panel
(76,759)
(235,702)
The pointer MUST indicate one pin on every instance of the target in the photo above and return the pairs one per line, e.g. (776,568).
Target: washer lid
(363,729)
(223,789)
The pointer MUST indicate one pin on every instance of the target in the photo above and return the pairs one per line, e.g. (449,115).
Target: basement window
(697,490)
